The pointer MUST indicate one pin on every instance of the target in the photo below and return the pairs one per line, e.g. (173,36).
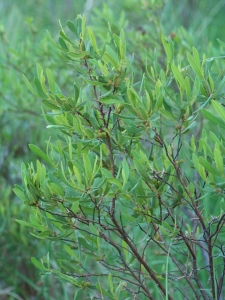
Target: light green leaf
(40,91)
(67,278)
(93,39)
(72,27)
(37,264)
(168,48)
(218,160)
(166,114)
(111,56)
(40,153)
(208,166)
(51,82)
(20,193)
(93,82)
(83,27)
(29,86)
(71,252)
(87,168)
(202,172)
(111,100)
(76,55)
(57,189)
(125,171)
(212,118)
(195,63)
(219,109)
(125,250)
(110,282)
(85,245)
(122,44)
(178,76)
(75,207)
(115,181)
(24,223)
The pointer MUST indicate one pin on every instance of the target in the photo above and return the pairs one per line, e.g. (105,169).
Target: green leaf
(75,207)
(111,100)
(57,189)
(166,114)
(87,168)
(106,173)
(219,109)
(208,166)
(93,39)
(24,223)
(93,82)
(76,55)
(218,160)
(63,35)
(195,63)
(20,193)
(40,91)
(82,242)
(83,27)
(122,44)
(212,118)
(110,283)
(178,76)
(125,171)
(70,251)
(50,104)
(68,278)
(37,264)
(72,27)
(77,173)
(29,86)
(115,181)
(125,250)
(202,172)
(51,82)
(168,48)
(40,153)
(111,56)
(63,44)
(220,85)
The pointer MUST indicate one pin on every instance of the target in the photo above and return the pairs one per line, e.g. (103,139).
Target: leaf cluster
(133,172)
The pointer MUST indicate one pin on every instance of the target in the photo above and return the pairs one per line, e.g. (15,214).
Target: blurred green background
(23,43)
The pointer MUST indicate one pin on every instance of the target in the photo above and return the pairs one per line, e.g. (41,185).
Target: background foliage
(23,44)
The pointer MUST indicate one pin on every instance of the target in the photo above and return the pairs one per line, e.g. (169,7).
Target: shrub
(134,185)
